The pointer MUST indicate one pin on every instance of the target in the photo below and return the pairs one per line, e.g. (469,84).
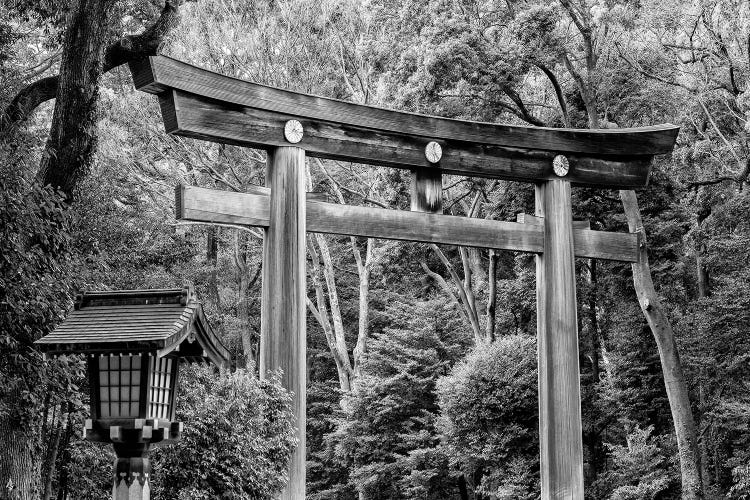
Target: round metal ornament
(561,166)
(433,152)
(293,131)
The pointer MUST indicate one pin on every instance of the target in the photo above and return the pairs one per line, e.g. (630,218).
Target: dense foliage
(237,443)
(386,435)
(421,379)
(489,418)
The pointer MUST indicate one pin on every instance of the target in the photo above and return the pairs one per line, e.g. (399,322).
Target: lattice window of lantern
(160,387)
(119,386)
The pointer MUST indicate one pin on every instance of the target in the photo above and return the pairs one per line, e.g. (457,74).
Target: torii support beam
(245,209)
(204,105)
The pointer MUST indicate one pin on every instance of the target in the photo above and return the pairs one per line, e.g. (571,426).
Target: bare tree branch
(723,138)
(648,74)
(338,186)
(524,112)
(558,92)
(469,311)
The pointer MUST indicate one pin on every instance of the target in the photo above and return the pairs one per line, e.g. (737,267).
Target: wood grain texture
(283,342)
(524,218)
(560,439)
(605,245)
(422,227)
(310,195)
(160,73)
(199,117)
(208,205)
(427,190)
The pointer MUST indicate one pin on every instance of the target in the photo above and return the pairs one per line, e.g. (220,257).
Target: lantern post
(134,341)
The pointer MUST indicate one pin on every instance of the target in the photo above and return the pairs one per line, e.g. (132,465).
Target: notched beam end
(169,112)
(622,247)
(142,72)
(179,196)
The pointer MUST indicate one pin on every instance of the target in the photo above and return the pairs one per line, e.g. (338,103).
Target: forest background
(421,359)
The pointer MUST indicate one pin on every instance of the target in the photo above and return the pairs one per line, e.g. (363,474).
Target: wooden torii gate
(202,104)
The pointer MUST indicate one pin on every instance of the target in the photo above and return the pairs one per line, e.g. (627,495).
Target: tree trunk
(19,465)
(593,322)
(704,287)
(243,306)
(466,302)
(54,448)
(340,355)
(128,48)
(347,375)
(72,141)
(62,489)
(492,295)
(363,269)
(212,254)
(593,441)
(674,378)
(463,491)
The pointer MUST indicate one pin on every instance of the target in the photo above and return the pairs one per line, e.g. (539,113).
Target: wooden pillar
(282,337)
(560,442)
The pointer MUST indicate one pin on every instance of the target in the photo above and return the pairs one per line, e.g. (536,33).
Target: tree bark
(466,299)
(72,140)
(462,489)
(593,322)
(333,299)
(593,439)
(364,267)
(54,448)
(129,48)
(492,295)
(704,284)
(338,351)
(19,465)
(212,255)
(244,282)
(674,377)
(363,333)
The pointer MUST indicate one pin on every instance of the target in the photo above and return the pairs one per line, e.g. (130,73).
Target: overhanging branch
(128,48)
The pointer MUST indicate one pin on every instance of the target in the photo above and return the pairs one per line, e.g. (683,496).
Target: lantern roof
(164,321)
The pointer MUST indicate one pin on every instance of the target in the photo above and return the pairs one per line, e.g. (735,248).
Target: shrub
(489,418)
(237,440)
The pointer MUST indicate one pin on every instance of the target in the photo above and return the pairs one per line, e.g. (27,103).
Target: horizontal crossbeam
(209,205)
(205,105)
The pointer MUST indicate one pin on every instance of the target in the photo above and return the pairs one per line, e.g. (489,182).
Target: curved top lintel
(159,73)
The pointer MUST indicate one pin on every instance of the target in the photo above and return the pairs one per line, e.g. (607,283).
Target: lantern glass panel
(119,386)
(160,387)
